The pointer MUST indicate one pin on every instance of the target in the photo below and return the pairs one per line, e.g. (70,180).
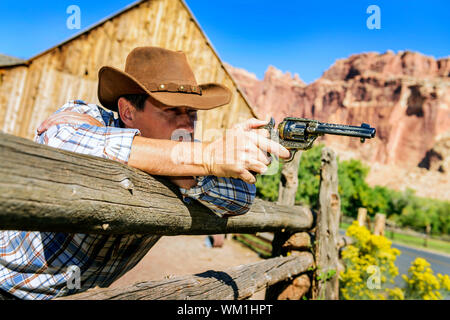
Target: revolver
(299,133)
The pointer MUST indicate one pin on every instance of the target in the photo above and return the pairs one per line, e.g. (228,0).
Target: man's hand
(67,117)
(241,151)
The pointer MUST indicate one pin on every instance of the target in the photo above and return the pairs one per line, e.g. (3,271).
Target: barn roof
(7,61)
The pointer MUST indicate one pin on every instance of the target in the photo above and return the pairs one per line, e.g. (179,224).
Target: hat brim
(114,83)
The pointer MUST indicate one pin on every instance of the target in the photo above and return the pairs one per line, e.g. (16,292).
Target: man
(155,97)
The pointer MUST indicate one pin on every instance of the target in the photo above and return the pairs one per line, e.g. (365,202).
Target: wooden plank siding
(30,93)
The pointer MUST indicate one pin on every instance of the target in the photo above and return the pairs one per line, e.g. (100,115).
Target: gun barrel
(364,131)
(299,129)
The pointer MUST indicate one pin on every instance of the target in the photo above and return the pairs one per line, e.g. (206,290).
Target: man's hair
(137,100)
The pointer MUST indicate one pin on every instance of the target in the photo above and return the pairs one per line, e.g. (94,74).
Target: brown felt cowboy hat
(164,75)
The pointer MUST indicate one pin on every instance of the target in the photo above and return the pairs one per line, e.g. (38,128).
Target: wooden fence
(46,189)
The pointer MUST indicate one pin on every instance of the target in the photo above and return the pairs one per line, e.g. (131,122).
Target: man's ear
(126,111)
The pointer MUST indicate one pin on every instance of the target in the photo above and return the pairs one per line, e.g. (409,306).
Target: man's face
(159,121)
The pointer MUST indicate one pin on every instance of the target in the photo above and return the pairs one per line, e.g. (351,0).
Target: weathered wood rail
(237,283)
(47,189)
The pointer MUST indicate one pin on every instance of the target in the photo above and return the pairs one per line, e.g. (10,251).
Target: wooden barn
(31,90)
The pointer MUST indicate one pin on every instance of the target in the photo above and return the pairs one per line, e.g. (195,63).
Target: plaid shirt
(43,265)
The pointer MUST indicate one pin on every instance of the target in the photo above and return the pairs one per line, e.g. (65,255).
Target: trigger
(270,125)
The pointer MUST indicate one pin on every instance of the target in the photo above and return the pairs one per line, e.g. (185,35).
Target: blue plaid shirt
(42,265)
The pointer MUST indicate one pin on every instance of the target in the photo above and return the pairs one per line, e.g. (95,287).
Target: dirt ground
(182,255)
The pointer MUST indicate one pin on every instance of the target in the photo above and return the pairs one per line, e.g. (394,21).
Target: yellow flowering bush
(421,283)
(370,263)
(395,294)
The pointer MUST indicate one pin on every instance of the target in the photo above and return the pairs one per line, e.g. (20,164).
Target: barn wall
(30,94)
(12,83)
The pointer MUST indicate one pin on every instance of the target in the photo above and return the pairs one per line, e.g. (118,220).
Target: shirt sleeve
(224,196)
(106,142)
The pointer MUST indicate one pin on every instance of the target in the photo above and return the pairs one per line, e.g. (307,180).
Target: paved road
(439,263)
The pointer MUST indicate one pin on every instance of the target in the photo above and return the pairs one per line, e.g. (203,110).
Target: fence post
(380,222)
(427,235)
(326,280)
(289,181)
(286,196)
(362,217)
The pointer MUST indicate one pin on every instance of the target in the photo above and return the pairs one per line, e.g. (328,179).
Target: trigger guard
(291,157)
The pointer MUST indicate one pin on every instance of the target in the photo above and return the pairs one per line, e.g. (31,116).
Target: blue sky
(304,37)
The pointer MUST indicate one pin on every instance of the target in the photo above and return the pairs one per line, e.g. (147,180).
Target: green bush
(267,186)
(353,189)
(420,212)
(309,177)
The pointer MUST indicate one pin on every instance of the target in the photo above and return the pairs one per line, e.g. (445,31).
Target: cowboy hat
(164,75)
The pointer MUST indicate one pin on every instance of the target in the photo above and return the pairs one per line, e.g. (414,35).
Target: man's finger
(246,176)
(252,123)
(269,146)
(251,149)
(263,157)
(262,132)
(53,120)
(68,117)
(256,166)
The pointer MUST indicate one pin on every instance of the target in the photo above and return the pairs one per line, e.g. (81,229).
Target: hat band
(173,87)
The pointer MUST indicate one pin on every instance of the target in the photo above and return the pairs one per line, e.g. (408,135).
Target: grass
(417,242)
(262,248)
(433,244)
